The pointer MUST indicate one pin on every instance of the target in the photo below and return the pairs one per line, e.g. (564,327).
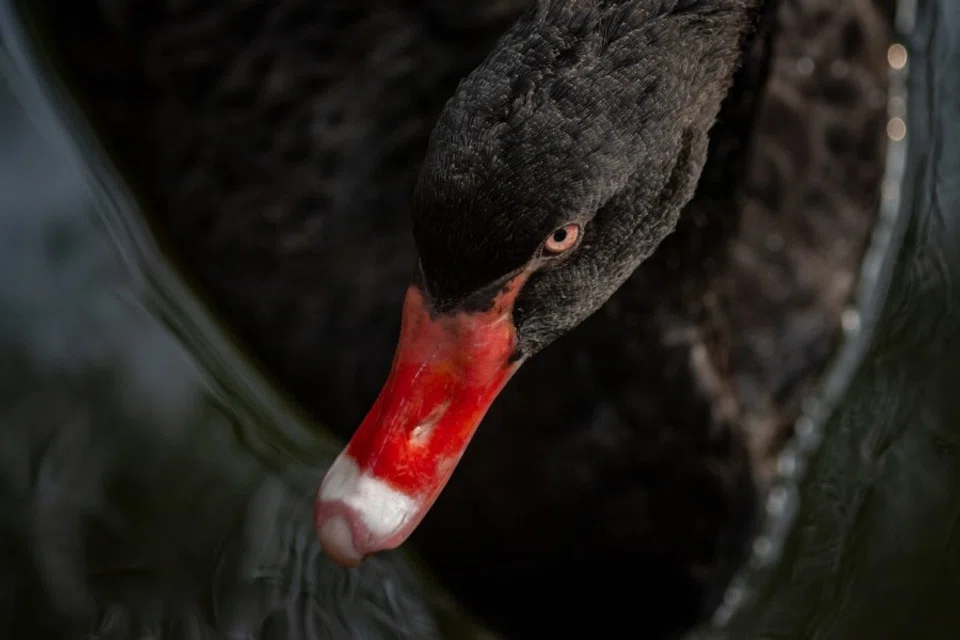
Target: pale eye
(561,240)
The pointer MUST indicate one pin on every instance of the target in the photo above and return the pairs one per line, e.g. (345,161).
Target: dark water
(153,485)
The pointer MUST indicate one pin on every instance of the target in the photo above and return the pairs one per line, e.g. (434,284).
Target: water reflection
(147,477)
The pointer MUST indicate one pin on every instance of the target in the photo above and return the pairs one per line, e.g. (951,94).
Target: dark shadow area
(148,488)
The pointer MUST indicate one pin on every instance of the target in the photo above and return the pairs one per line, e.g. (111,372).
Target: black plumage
(279,144)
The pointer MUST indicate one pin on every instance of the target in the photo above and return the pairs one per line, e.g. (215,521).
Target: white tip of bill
(378,508)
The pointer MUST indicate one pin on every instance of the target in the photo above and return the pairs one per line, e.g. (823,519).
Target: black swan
(280,144)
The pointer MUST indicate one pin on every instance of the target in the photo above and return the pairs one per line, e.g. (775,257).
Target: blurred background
(204,242)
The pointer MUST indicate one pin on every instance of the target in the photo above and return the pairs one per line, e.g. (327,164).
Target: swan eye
(562,240)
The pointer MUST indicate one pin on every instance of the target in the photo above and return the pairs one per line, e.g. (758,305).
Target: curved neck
(708,222)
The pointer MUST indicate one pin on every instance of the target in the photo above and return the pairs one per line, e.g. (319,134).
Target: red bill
(446,372)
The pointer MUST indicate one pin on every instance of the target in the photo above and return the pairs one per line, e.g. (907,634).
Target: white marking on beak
(382,509)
